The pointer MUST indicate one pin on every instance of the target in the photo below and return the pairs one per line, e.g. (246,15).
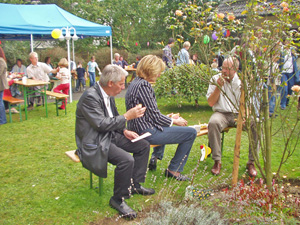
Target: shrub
(187,82)
(166,213)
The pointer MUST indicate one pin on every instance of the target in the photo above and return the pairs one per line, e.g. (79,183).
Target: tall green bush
(183,82)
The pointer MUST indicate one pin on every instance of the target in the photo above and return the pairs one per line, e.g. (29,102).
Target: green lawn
(40,185)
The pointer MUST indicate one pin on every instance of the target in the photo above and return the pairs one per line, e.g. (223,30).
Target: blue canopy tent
(28,22)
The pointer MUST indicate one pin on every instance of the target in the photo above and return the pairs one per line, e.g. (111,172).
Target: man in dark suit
(101,137)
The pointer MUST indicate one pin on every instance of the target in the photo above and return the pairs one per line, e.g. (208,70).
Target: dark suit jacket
(94,130)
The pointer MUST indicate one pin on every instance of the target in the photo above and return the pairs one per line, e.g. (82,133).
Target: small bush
(188,82)
(166,214)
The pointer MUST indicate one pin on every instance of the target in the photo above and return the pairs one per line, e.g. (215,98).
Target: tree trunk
(268,168)
(237,147)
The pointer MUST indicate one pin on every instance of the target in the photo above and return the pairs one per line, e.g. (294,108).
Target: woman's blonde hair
(150,67)
(63,62)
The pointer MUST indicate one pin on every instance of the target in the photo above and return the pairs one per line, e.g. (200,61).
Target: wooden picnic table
(27,92)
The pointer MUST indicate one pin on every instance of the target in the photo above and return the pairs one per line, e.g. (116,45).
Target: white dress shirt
(106,101)
(232,90)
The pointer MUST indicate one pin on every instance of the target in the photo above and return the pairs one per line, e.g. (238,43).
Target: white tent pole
(73,50)
(111,51)
(31,42)
(73,58)
(70,90)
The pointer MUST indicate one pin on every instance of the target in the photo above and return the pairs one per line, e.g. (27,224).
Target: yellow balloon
(56,33)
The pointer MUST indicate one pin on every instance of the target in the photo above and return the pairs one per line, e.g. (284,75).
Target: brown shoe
(251,170)
(216,168)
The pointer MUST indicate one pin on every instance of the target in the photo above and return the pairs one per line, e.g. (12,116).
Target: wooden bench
(205,132)
(72,155)
(13,101)
(58,96)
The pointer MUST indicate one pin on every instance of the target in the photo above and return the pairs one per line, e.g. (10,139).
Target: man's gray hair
(112,73)
(33,54)
(234,62)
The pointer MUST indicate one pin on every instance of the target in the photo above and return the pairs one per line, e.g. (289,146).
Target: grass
(40,185)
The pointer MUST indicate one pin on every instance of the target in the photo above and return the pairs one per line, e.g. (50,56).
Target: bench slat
(56,95)
(12,100)
(73,156)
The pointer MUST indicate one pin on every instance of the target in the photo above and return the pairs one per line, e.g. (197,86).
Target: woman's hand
(130,134)
(180,122)
(135,112)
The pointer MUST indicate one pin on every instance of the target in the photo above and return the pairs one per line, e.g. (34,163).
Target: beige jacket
(3,79)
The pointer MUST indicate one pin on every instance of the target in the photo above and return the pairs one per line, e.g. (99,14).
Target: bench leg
(91,180)
(222,142)
(20,112)
(9,111)
(100,186)
(56,103)
(66,106)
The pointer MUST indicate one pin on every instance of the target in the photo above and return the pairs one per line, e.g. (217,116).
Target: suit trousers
(130,169)
(218,122)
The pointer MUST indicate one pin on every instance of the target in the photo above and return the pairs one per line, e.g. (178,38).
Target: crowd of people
(104,136)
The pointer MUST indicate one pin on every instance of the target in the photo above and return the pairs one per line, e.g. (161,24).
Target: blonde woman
(64,76)
(159,125)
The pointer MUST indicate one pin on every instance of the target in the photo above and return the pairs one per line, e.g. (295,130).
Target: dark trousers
(128,166)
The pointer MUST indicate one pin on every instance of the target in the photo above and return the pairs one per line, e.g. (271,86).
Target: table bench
(13,101)
(58,96)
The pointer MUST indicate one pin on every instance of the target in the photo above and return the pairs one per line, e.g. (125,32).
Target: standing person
(3,85)
(18,68)
(225,111)
(81,77)
(64,76)
(101,137)
(289,71)
(160,126)
(48,63)
(124,63)
(37,71)
(117,60)
(167,53)
(135,65)
(91,68)
(183,55)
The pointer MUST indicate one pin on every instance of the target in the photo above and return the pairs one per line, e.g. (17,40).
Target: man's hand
(180,122)
(221,81)
(135,112)
(130,134)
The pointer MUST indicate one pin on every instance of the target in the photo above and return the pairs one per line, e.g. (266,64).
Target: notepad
(141,137)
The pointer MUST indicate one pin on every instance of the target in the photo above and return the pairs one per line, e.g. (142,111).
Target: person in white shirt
(37,71)
(224,100)
(18,68)
(64,75)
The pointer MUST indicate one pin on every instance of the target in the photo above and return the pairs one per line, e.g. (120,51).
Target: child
(81,77)
(7,93)
(64,75)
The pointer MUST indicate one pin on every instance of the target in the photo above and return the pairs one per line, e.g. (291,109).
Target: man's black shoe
(143,191)
(123,209)
(152,163)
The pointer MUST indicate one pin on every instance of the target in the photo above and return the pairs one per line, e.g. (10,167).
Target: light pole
(67,37)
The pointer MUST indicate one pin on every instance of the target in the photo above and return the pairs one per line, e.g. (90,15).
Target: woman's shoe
(179,178)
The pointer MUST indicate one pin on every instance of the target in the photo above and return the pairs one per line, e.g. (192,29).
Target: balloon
(228,33)
(206,39)
(148,43)
(225,33)
(107,42)
(56,33)
(136,44)
(214,36)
